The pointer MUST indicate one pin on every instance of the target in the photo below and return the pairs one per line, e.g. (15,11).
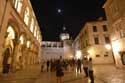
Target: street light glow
(116,46)
(108,46)
(78,54)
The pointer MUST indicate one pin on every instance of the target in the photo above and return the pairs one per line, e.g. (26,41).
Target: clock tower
(67,44)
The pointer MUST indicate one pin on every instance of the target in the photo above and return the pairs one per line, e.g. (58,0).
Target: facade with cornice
(115,13)
(20,34)
(94,42)
(52,50)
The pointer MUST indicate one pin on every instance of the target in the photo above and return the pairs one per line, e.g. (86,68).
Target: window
(18,5)
(21,39)
(26,16)
(105,28)
(106,55)
(97,55)
(107,40)
(32,25)
(96,39)
(35,31)
(94,29)
(28,44)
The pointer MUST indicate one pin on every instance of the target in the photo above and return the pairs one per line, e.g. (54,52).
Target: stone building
(115,13)
(94,42)
(20,35)
(52,50)
(67,44)
(76,48)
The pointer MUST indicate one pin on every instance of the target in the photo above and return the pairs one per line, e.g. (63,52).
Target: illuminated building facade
(76,49)
(55,49)
(94,41)
(52,50)
(20,35)
(115,13)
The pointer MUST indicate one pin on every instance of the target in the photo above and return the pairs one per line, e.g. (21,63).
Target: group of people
(60,65)
(88,68)
(54,65)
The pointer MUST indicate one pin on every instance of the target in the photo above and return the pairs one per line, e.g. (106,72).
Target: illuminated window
(26,16)
(35,31)
(21,40)
(37,36)
(32,25)
(18,5)
(28,44)
(11,33)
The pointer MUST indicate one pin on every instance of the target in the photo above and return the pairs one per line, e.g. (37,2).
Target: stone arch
(7,59)
(29,51)
(26,15)
(10,36)
(35,53)
(15,25)
(11,40)
(23,34)
(7,54)
(19,51)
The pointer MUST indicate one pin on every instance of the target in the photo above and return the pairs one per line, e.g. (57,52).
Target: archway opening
(8,46)
(123,58)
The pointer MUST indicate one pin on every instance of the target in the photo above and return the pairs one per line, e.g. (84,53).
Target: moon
(59,10)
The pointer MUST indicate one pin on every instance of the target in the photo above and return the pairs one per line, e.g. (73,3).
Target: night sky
(74,14)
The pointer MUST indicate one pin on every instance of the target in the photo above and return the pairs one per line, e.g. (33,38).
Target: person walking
(79,66)
(90,69)
(59,72)
(42,65)
(48,65)
(85,66)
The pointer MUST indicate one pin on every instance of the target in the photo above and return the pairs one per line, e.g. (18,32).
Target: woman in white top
(90,68)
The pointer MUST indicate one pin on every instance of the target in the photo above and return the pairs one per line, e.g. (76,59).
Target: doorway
(123,58)
(6,65)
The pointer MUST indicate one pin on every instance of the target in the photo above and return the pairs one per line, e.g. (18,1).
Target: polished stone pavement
(102,74)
